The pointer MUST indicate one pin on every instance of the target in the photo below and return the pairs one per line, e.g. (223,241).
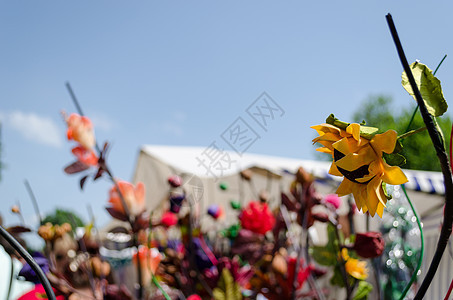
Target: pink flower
(257,217)
(133,196)
(80,129)
(333,200)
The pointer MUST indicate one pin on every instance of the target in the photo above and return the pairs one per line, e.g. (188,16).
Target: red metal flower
(369,245)
(85,156)
(169,219)
(257,217)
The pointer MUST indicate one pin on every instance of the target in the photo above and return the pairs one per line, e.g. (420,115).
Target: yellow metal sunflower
(360,161)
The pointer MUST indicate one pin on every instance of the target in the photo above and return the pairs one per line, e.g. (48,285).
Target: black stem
(29,259)
(33,200)
(443,159)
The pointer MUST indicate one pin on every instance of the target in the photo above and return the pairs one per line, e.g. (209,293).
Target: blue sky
(180,72)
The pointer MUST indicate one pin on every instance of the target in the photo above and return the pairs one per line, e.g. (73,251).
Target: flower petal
(393,175)
(345,188)
(354,130)
(353,161)
(384,142)
(334,170)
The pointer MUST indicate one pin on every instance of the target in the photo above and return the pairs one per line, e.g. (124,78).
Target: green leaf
(327,255)
(227,288)
(394,159)
(337,278)
(324,256)
(363,290)
(429,87)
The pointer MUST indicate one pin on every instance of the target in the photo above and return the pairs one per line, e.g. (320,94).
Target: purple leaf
(116,214)
(82,181)
(76,167)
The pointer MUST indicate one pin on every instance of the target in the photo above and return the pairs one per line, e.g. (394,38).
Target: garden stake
(444,163)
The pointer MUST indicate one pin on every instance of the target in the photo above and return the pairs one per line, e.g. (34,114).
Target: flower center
(351,175)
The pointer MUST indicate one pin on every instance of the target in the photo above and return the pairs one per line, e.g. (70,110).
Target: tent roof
(195,159)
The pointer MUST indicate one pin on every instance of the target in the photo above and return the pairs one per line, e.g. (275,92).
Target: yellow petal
(327,137)
(328,145)
(323,128)
(334,170)
(359,192)
(375,195)
(393,175)
(384,142)
(380,209)
(345,188)
(324,150)
(342,146)
(354,130)
(353,161)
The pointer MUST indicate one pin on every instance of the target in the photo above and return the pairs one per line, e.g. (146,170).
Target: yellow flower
(354,267)
(360,161)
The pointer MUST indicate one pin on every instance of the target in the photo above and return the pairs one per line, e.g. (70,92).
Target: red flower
(369,245)
(169,219)
(257,218)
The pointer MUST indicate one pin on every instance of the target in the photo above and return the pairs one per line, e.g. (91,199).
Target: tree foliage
(378,111)
(61,216)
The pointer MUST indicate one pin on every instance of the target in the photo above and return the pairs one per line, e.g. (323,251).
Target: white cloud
(35,128)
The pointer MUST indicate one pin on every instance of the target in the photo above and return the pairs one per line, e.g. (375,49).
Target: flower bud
(175,181)
(369,245)
(15,209)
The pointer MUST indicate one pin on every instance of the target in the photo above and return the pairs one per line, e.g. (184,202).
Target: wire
(422,246)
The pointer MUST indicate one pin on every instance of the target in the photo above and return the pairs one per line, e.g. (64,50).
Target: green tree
(61,216)
(378,112)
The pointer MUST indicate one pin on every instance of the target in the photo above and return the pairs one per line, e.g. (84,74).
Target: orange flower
(149,261)
(85,156)
(80,129)
(133,196)
(354,267)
